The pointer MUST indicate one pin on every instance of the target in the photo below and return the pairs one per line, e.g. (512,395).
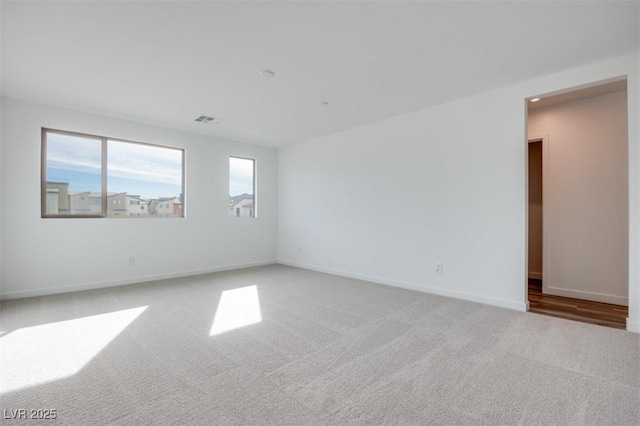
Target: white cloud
(240,176)
(74,153)
(144,162)
(138,162)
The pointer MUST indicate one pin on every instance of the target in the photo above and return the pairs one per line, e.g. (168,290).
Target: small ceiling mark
(267,74)
(324,104)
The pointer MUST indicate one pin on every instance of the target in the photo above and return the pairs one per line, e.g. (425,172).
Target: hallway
(575,309)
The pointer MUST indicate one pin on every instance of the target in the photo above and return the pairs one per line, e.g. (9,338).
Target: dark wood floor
(575,309)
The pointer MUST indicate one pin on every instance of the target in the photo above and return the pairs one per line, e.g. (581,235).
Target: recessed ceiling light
(534,100)
(267,74)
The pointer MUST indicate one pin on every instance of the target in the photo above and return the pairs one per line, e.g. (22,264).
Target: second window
(242,199)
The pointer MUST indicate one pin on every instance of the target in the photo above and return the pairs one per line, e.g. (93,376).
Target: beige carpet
(279,345)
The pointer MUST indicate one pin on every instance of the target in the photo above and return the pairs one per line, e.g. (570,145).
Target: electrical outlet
(132,261)
(439,268)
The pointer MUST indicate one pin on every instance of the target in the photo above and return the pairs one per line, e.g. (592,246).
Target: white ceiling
(168,62)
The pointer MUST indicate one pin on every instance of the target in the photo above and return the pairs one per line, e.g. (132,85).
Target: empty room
(320,212)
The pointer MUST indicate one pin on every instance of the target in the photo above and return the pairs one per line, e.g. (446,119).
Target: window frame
(104,140)
(253,182)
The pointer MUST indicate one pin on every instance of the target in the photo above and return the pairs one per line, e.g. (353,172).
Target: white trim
(535,275)
(633,326)
(103,284)
(633,111)
(587,295)
(502,303)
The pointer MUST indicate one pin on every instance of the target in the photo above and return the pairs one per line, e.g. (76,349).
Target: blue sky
(144,170)
(137,169)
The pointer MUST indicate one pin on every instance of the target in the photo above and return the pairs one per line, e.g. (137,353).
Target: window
(94,176)
(242,187)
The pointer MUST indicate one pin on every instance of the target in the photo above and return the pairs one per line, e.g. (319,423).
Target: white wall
(633,93)
(42,256)
(389,200)
(1,202)
(586,193)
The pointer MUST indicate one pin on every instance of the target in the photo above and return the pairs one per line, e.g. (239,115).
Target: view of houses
(59,200)
(242,205)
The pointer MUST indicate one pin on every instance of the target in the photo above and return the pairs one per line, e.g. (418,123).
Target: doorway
(578,205)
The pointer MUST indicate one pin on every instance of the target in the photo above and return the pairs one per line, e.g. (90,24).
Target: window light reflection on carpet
(237,308)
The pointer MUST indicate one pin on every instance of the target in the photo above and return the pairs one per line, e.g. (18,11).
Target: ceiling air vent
(206,119)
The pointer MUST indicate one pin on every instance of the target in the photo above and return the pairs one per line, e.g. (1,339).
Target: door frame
(543,138)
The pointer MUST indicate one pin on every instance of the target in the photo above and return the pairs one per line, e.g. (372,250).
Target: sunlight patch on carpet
(35,355)
(237,308)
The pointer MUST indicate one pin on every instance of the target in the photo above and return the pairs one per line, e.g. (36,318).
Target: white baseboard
(633,326)
(586,295)
(522,307)
(535,275)
(114,283)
